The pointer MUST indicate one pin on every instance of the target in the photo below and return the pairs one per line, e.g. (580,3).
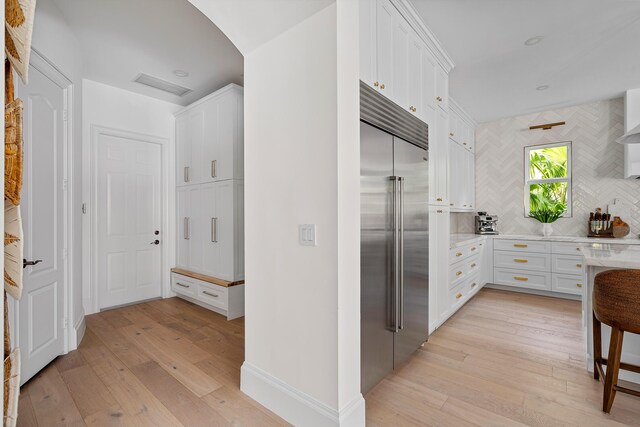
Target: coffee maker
(486,224)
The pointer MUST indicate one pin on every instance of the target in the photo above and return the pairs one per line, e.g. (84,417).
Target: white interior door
(129,266)
(40,312)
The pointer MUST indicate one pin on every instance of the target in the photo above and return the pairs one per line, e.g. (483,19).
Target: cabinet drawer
(522,260)
(567,264)
(522,245)
(458,254)
(463,269)
(183,285)
(568,248)
(523,278)
(567,284)
(213,295)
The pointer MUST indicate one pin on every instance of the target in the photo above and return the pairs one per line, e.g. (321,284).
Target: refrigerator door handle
(394,262)
(401,252)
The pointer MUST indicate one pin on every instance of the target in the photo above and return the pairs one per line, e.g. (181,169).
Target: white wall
(597,166)
(111,107)
(55,42)
(302,166)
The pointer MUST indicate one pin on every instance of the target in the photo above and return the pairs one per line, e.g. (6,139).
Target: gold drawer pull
(577,249)
(522,279)
(579,265)
(458,253)
(458,295)
(473,265)
(520,245)
(473,285)
(376,84)
(382,86)
(473,248)
(439,98)
(439,211)
(450,133)
(579,285)
(458,273)
(520,260)
(439,199)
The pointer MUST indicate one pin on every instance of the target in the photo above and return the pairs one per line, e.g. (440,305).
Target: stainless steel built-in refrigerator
(394,180)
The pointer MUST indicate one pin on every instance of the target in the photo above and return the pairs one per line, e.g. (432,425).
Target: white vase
(547,230)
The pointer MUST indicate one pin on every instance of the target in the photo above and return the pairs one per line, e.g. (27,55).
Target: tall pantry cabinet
(210,202)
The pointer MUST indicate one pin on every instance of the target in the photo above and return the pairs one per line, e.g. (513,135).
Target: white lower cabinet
(439,234)
(539,265)
(226,300)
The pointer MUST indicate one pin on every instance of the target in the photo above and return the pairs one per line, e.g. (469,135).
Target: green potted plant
(547,215)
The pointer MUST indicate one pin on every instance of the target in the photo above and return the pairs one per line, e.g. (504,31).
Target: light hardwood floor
(503,359)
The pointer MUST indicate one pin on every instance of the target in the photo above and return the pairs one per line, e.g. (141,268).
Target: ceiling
(590,51)
(120,39)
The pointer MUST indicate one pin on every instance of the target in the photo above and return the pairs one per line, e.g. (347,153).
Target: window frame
(528,181)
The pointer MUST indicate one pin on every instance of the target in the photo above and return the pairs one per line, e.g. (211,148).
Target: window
(548,178)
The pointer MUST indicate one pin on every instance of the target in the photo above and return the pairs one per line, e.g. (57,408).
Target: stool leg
(613,367)
(597,346)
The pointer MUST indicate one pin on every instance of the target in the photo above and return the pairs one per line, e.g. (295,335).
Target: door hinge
(65,184)
(84,208)
(65,322)
(65,115)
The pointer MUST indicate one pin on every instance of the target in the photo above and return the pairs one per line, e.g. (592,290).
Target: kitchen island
(600,257)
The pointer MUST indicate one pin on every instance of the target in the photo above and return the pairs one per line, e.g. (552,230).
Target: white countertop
(461,239)
(614,256)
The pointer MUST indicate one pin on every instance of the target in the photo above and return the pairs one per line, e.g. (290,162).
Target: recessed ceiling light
(543,87)
(180,73)
(533,40)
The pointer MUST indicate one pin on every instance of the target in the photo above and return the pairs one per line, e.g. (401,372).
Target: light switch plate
(307,234)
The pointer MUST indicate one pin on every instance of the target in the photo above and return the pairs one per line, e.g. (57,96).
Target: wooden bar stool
(616,302)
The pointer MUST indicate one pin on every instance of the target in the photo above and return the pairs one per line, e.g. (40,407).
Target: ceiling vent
(162,85)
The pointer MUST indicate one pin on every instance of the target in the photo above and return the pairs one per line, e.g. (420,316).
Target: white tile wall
(597,166)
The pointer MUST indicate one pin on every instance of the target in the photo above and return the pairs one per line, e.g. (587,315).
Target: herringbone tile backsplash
(597,167)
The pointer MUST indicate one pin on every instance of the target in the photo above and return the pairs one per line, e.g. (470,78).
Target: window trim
(568,179)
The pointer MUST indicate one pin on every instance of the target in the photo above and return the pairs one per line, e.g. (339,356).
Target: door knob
(25,263)
(156,232)
(155,242)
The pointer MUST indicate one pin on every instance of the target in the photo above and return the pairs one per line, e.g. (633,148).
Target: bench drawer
(183,285)
(213,295)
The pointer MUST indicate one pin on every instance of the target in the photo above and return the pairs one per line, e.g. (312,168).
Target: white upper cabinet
(209,138)
(428,75)
(400,86)
(442,89)
(438,159)
(416,50)
(368,42)
(385,26)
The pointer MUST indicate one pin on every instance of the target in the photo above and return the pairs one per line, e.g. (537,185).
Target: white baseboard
(295,406)
(78,333)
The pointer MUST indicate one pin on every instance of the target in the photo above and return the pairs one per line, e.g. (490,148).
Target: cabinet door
(439,160)
(223,231)
(400,89)
(442,89)
(183,150)
(221,137)
(194,228)
(385,13)
(439,304)
(183,202)
(208,220)
(454,175)
(368,41)
(196,143)
(428,71)
(453,126)
(414,75)
(471,179)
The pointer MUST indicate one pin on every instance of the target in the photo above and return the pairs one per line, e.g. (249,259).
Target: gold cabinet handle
(439,211)
(458,253)
(450,133)
(473,285)
(439,199)
(520,260)
(520,245)
(464,143)
(439,98)
(458,295)
(458,273)
(412,108)
(579,265)
(382,86)
(473,265)
(376,84)
(522,279)
(577,249)
(579,285)
(473,248)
